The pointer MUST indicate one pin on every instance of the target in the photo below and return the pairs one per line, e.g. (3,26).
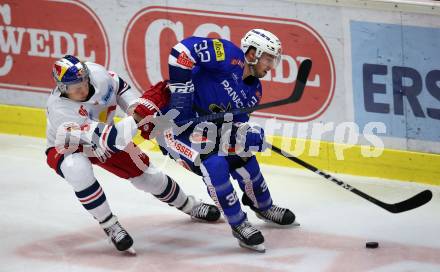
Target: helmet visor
(269,60)
(79,79)
(79,89)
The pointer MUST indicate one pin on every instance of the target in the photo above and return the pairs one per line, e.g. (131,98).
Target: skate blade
(273,224)
(198,220)
(130,251)
(258,248)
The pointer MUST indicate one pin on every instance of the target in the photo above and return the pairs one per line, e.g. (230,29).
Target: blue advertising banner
(396,78)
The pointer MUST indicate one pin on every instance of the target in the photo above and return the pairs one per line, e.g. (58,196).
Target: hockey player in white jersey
(80,132)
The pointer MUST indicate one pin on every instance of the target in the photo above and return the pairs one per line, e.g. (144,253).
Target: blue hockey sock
(252,183)
(215,171)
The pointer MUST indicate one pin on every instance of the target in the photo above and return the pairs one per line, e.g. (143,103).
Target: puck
(372,245)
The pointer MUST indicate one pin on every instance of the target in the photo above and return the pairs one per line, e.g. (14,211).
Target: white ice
(44,228)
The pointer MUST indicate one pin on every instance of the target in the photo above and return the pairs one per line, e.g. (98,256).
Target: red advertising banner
(33,34)
(153,31)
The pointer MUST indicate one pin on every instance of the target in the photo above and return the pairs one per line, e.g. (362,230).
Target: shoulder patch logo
(219,50)
(237,62)
(184,60)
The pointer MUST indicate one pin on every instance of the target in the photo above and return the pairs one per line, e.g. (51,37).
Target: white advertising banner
(375,76)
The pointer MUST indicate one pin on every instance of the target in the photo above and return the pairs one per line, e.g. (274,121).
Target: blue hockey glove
(251,136)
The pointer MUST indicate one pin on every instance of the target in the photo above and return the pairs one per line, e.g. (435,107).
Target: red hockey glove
(149,103)
(153,99)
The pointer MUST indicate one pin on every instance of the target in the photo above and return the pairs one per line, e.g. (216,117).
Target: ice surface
(44,228)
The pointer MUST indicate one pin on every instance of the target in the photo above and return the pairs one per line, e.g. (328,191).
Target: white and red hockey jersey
(91,122)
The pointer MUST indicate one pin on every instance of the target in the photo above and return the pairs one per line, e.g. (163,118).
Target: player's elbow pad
(182,96)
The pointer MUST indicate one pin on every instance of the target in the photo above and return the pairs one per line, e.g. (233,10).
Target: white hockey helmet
(263,41)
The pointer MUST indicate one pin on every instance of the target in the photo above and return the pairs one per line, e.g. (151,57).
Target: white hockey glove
(93,150)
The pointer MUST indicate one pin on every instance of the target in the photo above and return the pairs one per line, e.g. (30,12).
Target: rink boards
(392,164)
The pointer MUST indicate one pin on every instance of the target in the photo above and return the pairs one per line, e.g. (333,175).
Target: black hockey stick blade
(295,96)
(416,201)
(301,80)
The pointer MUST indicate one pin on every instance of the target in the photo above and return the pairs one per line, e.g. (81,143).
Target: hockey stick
(295,96)
(406,205)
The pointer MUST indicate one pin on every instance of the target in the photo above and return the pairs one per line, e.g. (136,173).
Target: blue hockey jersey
(206,76)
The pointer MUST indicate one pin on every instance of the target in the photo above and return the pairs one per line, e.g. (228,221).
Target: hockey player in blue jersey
(212,75)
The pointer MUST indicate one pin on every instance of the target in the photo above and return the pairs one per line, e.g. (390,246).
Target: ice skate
(118,236)
(249,237)
(275,214)
(200,211)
